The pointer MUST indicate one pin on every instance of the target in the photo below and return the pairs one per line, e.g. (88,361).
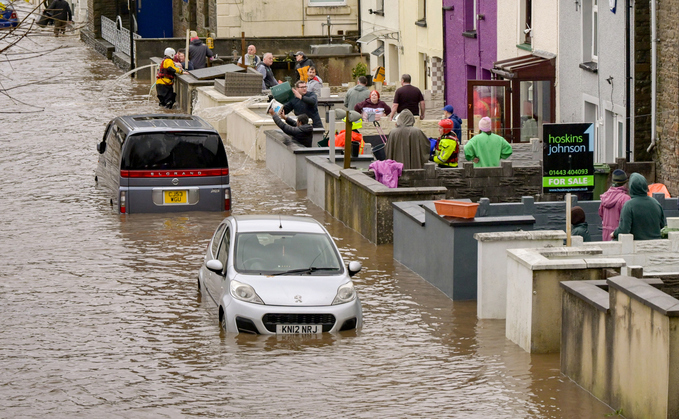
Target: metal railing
(116,34)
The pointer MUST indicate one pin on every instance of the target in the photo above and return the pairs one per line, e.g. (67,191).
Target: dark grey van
(163,163)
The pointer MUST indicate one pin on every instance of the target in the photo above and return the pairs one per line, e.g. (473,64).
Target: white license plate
(298,329)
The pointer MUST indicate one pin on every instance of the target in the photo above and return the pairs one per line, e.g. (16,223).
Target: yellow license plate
(175,197)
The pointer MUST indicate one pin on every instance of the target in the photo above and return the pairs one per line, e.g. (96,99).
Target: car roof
(163,122)
(276,224)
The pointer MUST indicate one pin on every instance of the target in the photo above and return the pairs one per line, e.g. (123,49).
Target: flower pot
(458,209)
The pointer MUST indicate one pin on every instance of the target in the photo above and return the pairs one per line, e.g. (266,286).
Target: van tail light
(227,199)
(123,207)
(14,15)
(173,173)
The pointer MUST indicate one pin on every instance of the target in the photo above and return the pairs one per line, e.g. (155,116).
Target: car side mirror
(354,267)
(101,147)
(215,266)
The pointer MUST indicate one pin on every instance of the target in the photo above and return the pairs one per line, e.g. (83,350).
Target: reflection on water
(100,313)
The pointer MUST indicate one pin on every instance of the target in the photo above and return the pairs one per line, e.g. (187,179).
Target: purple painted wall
(466,57)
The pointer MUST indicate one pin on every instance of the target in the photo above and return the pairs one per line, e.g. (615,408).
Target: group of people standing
(173,64)
(624,210)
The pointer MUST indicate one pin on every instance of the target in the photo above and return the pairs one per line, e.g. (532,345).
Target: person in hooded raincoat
(408,144)
(580,227)
(642,215)
(611,204)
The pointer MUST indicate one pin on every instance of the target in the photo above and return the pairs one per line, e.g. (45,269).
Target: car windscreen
(173,150)
(283,253)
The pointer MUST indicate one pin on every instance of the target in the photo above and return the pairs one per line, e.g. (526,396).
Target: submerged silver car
(272,274)
(163,163)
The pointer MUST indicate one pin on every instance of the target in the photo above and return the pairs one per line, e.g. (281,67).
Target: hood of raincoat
(613,196)
(637,185)
(406,119)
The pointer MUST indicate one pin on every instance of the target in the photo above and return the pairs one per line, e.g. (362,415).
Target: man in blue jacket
(449,113)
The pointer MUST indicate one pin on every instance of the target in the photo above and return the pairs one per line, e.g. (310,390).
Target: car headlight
(345,294)
(244,292)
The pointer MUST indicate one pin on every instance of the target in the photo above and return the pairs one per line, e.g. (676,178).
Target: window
(590,34)
(592,115)
(595,29)
(379,7)
(216,239)
(526,26)
(206,13)
(470,15)
(421,13)
(327,3)
(223,254)
(182,150)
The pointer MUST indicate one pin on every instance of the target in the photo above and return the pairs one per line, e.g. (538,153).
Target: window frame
(594,44)
(326,3)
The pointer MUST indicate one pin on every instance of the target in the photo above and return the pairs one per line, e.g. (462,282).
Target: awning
(380,34)
(379,51)
(526,67)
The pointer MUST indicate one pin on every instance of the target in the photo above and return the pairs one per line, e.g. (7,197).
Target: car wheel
(96,179)
(198,284)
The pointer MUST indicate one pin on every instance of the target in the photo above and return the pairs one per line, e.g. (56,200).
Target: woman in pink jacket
(611,204)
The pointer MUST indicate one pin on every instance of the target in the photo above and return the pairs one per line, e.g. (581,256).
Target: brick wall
(667,150)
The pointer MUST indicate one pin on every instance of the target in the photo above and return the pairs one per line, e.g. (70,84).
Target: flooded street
(100,314)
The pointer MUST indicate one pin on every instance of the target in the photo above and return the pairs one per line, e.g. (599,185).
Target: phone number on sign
(568,172)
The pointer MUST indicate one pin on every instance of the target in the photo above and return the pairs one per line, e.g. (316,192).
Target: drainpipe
(654,77)
(359,19)
(303,12)
(628,82)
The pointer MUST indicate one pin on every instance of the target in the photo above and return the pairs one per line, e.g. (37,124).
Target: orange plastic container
(458,209)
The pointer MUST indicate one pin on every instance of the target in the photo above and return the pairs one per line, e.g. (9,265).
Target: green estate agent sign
(568,158)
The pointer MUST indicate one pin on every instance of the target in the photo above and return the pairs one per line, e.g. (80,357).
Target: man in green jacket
(486,149)
(642,215)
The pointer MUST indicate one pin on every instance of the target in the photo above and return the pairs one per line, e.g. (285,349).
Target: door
(213,281)
(489,98)
(154,18)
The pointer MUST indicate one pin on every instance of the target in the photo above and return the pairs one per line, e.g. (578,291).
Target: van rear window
(173,150)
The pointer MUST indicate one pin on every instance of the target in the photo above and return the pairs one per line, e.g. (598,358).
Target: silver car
(163,163)
(272,274)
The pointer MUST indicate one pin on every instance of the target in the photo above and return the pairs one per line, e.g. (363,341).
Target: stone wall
(98,8)
(192,15)
(641,74)
(507,183)
(667,149)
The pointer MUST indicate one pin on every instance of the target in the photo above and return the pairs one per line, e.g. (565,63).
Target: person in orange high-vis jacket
(165,79)
(355,136)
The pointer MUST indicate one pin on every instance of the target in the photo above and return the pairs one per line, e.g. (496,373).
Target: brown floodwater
(100,315)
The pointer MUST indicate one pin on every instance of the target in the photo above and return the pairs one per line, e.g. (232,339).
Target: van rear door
(175,171)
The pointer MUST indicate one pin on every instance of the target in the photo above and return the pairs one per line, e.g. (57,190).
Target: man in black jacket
(304,102)
(199,53)
(60,11)
(300,131)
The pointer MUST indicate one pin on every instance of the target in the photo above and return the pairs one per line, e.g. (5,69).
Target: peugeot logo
(298,298)
(175,181)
